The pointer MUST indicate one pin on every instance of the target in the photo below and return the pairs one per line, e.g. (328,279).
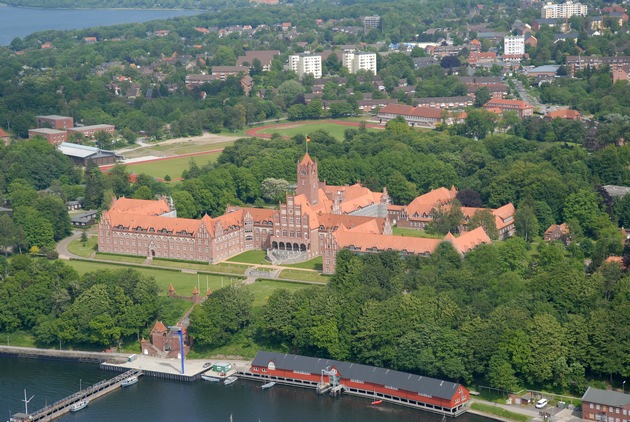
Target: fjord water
(21,21)
(154,399)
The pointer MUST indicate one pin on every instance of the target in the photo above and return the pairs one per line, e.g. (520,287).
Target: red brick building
(319,220)
(420,392)
(91,131)
(521,107)
(53,136)
(164,342)
(605,406)
(54,122)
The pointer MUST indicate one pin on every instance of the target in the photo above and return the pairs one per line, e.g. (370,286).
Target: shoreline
(155,9)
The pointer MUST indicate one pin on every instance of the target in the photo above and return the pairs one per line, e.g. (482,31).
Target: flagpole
(306,143)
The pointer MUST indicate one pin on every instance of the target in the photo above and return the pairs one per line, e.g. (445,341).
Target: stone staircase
(278,257)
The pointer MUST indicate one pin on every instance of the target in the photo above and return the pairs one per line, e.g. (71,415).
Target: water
(153,399)
(19,22)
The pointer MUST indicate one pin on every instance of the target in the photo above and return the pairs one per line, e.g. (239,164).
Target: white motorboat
(129,381)
(268,385)
(79,405)
(210,378)
(230,380)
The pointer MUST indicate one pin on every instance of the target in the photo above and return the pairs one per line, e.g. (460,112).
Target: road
(556,414)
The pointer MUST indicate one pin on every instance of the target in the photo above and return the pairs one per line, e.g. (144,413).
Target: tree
(53,209)
(484,218)
(274,189)
(398,126)
(291,92)
(526,222)
(184,204)
(9,233)
(118,180)
(37,229)
(94,186)
(482,96)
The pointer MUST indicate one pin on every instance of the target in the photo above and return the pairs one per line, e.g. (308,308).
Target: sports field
(171,166)
(336,128)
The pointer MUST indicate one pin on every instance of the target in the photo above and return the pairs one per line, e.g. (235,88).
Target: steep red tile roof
(159,327)
(405,110)
(351,222)
(564,114)
(469,240)
(500,102)
(368,242)
(504,216)
(3,134)
(425,203)
(140,206)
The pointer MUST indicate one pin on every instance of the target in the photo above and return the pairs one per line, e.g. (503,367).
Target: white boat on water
(129,381)
(79,405)
(210,378)
(230,380)
(268,385)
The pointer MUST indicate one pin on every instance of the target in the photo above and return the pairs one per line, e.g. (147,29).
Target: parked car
(207,364)
(541,403)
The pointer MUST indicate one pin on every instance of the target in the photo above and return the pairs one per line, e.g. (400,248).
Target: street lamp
(623,387)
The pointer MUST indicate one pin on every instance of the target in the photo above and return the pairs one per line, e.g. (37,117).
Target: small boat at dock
(129,381)
(375,402)
(210,378)
(79,405)
(230,380)
(268,385)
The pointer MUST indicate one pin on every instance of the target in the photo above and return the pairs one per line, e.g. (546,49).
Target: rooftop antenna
(26,402)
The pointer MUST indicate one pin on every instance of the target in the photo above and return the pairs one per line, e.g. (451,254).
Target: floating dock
(63,406)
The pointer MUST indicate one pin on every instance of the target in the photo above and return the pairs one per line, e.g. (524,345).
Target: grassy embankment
(499,411)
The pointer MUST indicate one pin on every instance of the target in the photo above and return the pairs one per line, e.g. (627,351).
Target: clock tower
(307,179)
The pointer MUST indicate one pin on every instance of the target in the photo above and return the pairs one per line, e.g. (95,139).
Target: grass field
(498,411)
(304,276)
(179,148)
(314,264)
(398,231)
(120,258)
(335,130)
(78,248)
(184,283)
(172,166)
(251,257)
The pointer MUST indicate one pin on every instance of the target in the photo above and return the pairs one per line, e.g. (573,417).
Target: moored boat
(210,378)
(375,402)
(79,405)
(268,385)
(129,381)
(230,380)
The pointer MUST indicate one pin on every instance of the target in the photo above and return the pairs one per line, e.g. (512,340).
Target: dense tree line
(52,302)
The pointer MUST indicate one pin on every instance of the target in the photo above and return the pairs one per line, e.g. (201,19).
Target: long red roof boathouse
(336,377)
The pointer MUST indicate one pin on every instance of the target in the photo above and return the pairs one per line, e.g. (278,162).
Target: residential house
(605,405)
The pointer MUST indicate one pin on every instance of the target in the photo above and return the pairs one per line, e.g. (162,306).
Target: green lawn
(179,148)
(335,130)
(120,258)
(184,283)
(17,338)
(262,289)
(224,267)
(398,231)
(499,411)
(304,276)
(83,249)
(251,257)
(314,264)
(172,166)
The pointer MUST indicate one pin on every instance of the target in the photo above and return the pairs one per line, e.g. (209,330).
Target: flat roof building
(53,136)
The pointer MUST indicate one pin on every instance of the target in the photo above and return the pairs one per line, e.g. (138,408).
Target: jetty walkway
(63,406)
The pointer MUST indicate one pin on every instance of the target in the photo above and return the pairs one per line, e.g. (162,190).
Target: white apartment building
(355,61)
(306,63)
(514,45)
(563,10)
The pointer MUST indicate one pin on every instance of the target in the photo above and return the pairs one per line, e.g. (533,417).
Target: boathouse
(417,391)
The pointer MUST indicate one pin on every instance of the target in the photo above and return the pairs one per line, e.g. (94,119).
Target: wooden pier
(63,406)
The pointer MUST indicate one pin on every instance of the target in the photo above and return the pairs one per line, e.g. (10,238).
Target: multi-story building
(514,45)
(500,105)
(91,131)
(306,63)
(576,63)
(54,122)
(53,136)
(371,22)
(265,57)
(605,406)
(563,10)
(319,220)
(355,61)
